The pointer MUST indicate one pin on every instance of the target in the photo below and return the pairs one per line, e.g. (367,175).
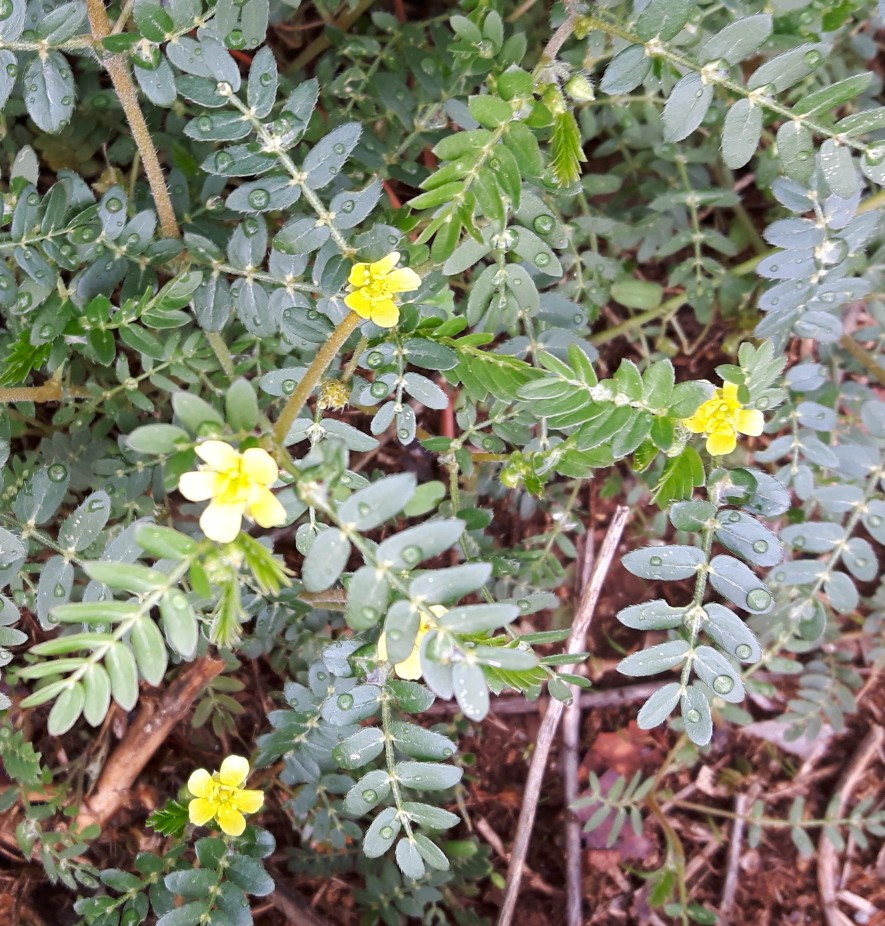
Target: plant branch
(126,93)
(314,374)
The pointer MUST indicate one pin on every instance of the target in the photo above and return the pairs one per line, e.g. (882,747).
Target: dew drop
(313,314)
(265,79)
(542,260)
(875,520)
(33,199)
(395,635)
(392,239)
(204,124)
(46,331)
(345,702)
(760,546)
(370,796)
(114,204)
(375,359)
(655,561)
(693,716)
(289,386)
(448,753)
(402,434)
(369,614)
(723,684)
(5,9)
(413,555)
(223,160)
(523,604)
(799,543)
(758,599)
(428,66)
(58,472)
(322,676)
(347,205)
(743,651)
(386,832)
(236,39)
(59,591)
(338,149)
(379,389)
(812,58)
(363,509)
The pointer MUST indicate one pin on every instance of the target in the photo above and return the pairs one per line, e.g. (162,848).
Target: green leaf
(97,690)
(249,875)
(663,19)
(667,563)
(49,91)
(626,71)
(659,706)
(360,748)
(83,526)
(738,40)
(325,560)
(686,107)
(427,776)
(789,68)
(325,160)
(189,915)
(372,506)
(409,859)
(739,584)
(480,617)
(637,294)
(655,659)
(368,594)
(567,154)
(741,133)
(381,835)
(157,438)
(470,690)
(150,650)
(838,169)
(681,475)
(444,585)
(123,673)
(489,111)
(153,21)
(419,743)
(164,542)
(696,716)
(66,709)
(133,578)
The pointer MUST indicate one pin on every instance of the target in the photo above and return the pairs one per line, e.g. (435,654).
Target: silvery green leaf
(327,157)
(479,617)
(664,19)
(838,169)
(97,694)
(123,673)
(798,572)
(444,585)
(381,834)
(666,563)
(325,561)
(409,859)
(429,816)
(49,91)
(738,583)
(813,536)
(655,659)
(8,72)
(353,706)
(686,107)
(872,164)
(157,438)
(359,748)
(691,515)
(53,588)
(653,615)
(401,629)
(378,502)
(533,249)
(241,405)
(788,69)
(367,597)
(11,548)
(427,776)
(745,536)
(239,161)
(833,95)
(406,425)
(127,577)
(740,133)
(261,89)
(659,706)
(696,716)
(191,914)
(298,109)
(61,23)
(738,40)
(410,547)
(425,391)
(158,85)
(150,650)
(626,71)
(469,687)
(193,412)
(767,498)
(873,521)
(179,623)
(190,884)
(729,632)
(223,126)
(429,354)
(511,659)
(352,438)
(350,208)
(418,743)
(795,233)
(367,792)
(249,875)
(66,710)
(718,673)
(301,236)
(13,23)
(842,593)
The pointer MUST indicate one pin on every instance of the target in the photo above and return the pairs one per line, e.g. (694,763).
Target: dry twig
(826,851)
(742,805)
(547,733)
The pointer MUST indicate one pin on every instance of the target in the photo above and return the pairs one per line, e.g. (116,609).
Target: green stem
(218,345)
(126,93)
(314,374)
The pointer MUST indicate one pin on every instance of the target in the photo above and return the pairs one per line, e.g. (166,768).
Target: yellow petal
(249,801)
(231,821)
(359,302)
(721,442)
(403,280)
(410,668)
(386,264)
(222,523)
(198,783)
(382,648)
(438,610)
(750,421)
(200,811)
(199,486)
(730,391)
(265,508)
(259,466)
(385,313)
(697,424)
(219,455)
(359,275)
(234,771)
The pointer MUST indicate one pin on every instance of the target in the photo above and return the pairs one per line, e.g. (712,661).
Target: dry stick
(571,734)
(152,724)
(547,733)
(826,851)
(742,805)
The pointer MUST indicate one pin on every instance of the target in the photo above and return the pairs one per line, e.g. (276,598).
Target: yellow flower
(238,484)
(221,796)
(722,418)
(410,667)
(374,286)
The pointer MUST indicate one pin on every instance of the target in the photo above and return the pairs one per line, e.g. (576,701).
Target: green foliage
(556,185)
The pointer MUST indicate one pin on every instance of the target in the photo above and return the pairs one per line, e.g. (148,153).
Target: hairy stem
(314,374)
(126,93)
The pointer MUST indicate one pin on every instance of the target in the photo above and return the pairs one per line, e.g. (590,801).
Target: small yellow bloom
(722,418)
(410,667)
(238,484)
(220,795)
(374,286)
